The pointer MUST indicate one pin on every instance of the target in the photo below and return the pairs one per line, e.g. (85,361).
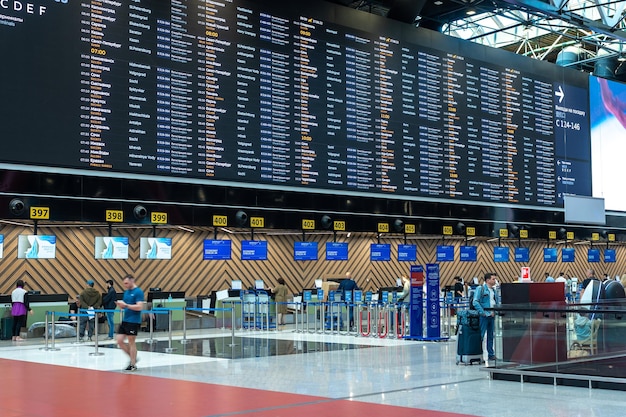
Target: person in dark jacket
(90,299)
(348,285)
(108,303)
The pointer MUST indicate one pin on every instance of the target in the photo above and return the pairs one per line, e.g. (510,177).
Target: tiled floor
(273,374)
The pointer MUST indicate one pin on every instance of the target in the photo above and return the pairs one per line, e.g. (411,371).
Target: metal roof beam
(545,9)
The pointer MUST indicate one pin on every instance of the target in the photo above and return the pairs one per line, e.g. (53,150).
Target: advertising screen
(36,247)
(111,247)
(155,248)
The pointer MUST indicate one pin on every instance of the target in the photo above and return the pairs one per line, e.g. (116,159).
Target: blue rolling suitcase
(469,343)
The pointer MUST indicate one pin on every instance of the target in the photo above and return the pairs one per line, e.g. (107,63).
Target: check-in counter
(42,303)
(168,299)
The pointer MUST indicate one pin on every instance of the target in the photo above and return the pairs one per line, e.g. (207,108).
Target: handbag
(577,351)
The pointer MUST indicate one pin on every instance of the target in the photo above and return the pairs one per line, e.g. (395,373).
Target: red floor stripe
(38,390)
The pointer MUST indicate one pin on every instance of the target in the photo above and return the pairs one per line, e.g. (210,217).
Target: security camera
(17,207)
(326,222)
(398,225)
(241,218)
(140,212)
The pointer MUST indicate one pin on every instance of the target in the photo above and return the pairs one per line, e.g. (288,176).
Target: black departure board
(308,97)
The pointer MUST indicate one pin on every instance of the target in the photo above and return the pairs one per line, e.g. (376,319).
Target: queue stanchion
(383,322)
(45,333)
(169,348)
(298,306)
(367,321)
(224,319)
(53,331)
(151,339)
(347,326)
(184,340)
(77,318)
(46,324)
(400,321)
(232,326)
(95,334)
(322,310)
(391,315)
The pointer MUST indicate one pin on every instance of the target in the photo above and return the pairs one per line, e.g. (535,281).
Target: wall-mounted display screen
(445,253)
(468,253)
(380,252)
(305,251)
(216,250)
(568,255)
(36,247)
(301,96)
(155,248)
(253,250)
(407,253)
(337,251)
(593,255)
(522,254)
(550,254)
(608,129)
(501,254)
(111,247)
(609,255)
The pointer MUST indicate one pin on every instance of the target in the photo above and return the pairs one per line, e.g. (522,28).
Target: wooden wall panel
(75,262)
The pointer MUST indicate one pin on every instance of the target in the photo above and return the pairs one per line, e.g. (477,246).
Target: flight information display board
(310,97)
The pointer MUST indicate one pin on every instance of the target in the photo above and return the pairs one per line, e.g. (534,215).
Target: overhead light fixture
(438,3)
(470,12)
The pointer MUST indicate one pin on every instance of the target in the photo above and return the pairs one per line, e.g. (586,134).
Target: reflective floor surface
(276,373)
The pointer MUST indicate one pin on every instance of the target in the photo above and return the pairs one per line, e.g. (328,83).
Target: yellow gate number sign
(114,216)
(383,227)
(308,224)
(157,217)
(220,221)
(40,213)
(339,225)
(257,221)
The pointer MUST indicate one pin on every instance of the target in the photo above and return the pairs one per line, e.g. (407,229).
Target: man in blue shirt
(132,304)
(486,296)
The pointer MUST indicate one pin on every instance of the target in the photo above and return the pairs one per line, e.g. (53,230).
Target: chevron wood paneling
(187,271)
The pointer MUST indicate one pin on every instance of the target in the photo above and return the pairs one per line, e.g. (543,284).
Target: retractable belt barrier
(51,321)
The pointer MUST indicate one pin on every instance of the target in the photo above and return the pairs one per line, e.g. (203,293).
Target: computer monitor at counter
(164,295)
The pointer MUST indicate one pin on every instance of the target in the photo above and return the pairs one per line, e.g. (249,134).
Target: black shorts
(129,329)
